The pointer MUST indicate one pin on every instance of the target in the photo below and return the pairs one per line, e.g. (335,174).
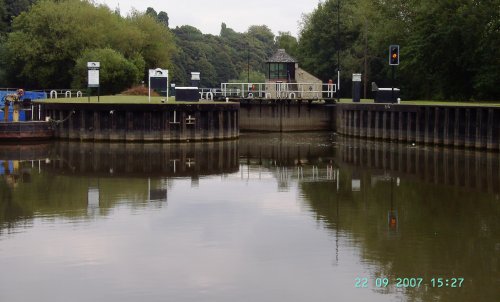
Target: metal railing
(64,93)
(52,93)
(279,90)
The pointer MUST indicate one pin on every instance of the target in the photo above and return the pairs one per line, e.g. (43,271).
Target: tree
(218,58)
(16,7)
(319,43)
(3,18)
(9,9)
(157,43)
(151,12)
(261,33)
(286,41)
(221,58)
(449,49)
(255,77)
(488,68)
(116,73)
(47,41)
(163,18)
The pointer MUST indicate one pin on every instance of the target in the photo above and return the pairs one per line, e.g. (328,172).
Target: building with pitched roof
(283,72)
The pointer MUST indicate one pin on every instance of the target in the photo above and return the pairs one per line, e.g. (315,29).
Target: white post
(149,88)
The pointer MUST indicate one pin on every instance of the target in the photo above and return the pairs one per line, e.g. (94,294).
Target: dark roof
(281,56)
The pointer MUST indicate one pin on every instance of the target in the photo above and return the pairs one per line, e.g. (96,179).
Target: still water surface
(270,217)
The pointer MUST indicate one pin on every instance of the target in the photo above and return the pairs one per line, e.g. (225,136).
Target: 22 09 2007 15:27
(413,282)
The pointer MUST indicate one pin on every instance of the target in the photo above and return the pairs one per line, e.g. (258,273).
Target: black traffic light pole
(338,51)
(393,61)
(392,93)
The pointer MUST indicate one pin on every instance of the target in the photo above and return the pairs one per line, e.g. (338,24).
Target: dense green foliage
(49,44)
(47,41)
(10,9)
(288,42)
(229,56)
(449,49)
(116,74)
(161,17)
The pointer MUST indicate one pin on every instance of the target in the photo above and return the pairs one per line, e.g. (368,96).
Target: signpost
(158,79)
(93,78)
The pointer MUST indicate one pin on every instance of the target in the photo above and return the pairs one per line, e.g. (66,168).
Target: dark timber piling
(467,169)
(145,122)
(461,126)
(283,115)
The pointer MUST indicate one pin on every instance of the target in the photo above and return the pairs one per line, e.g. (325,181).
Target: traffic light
(394,55)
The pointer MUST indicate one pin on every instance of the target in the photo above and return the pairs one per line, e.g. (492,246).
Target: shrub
(116,73)
(139,90)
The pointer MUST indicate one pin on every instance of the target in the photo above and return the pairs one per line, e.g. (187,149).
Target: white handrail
(279,90)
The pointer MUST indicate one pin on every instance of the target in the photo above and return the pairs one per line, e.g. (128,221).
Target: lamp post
(248,62)
(338,51)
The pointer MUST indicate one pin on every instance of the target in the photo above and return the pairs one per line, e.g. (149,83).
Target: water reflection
(290,157)
(76,179)
(222,221)
(418,212)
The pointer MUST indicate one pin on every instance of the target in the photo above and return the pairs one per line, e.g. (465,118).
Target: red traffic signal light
(394,55)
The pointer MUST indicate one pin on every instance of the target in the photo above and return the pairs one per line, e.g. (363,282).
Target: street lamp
(338,51)
(248,60)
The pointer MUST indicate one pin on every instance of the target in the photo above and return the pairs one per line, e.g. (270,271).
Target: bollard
(356,87)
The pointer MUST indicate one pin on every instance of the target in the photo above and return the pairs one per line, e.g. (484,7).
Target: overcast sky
(239,15)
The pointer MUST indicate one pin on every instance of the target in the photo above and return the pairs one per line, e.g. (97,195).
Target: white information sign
(158,75)
(93,73)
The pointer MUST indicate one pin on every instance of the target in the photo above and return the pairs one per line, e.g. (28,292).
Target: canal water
(269,217)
